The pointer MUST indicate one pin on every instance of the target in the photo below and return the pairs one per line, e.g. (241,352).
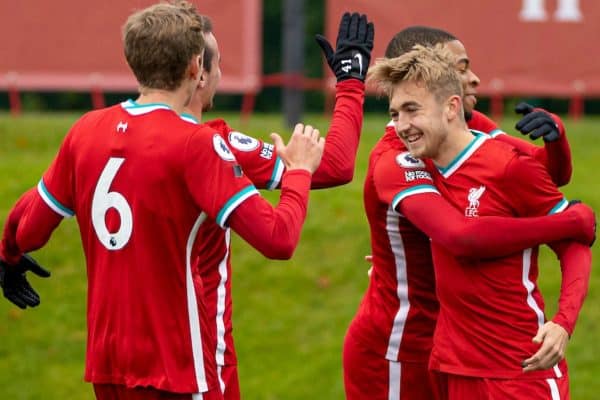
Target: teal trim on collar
(133,104)
(477,139)
(189,118)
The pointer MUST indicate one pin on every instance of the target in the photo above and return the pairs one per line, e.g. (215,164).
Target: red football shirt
(397,315)
(261,164)
(556,156)
(142,182)
(491,309)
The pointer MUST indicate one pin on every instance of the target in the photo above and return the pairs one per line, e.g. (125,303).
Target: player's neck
(458,139)
(192,111)
(175,99)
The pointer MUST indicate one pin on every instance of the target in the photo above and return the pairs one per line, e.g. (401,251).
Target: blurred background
(62,58)
(67,55)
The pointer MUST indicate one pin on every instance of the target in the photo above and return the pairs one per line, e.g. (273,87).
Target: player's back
(138,223)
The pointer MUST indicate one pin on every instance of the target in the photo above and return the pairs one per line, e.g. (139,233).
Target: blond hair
(432,67)
(160,41)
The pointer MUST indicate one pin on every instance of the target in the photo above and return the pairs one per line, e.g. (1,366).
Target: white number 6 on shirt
(104,200)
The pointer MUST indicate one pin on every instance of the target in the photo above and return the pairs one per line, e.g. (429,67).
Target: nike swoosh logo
(360,66)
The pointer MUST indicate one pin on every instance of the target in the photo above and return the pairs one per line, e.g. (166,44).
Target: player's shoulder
(389,142)
(394,161)
(483,123)
(500,155)
(235,138)
(99,120)
(98,115)
(219,124)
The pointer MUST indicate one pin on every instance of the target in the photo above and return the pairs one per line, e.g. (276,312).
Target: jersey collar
(134,108)
(478,139)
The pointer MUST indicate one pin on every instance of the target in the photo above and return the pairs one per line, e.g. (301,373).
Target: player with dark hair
(142,182)
(490,308)
(262,164)
(555,154)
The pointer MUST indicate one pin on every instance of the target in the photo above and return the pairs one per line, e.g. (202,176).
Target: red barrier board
(517,47)
(76,45)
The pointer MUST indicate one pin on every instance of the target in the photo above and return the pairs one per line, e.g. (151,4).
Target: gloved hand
(353,47)
(14,283)
(536,122)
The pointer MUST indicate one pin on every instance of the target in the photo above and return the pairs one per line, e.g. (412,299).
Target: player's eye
(394,115)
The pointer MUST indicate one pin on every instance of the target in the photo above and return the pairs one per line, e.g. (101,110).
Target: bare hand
(304,149)
(553,338)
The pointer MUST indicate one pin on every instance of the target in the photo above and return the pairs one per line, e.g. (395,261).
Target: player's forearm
(575,264)
(341,145)
(275,232)
(9,250)
(485,237)
(558,156)
(36,224)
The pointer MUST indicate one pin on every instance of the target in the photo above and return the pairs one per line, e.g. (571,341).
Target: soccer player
(394,325)
(389,341)
(555,154)
(262,164)
(490,309)
(142,182)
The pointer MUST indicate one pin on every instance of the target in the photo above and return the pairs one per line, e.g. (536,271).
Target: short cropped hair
(160,41)
(207,27)
(432,67)
(406,39)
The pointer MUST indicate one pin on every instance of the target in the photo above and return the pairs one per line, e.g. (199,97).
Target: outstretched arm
(490,236)
(28,227)
(13,262)
(349,63)
(275,232)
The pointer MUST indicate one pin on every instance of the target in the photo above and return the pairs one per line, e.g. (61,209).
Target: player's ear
(453,107)
(195,67)
(203,78)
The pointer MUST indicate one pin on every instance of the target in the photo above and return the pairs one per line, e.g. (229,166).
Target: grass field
(290,317)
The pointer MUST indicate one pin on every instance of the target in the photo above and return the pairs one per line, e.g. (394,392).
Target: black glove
(353,47)
(536,123)
(14,282)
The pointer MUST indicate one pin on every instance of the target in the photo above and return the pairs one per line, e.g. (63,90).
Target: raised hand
(304,149)
(536,123)
(353,47)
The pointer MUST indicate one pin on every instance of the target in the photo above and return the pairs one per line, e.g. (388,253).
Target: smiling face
(469,80)
(419,118)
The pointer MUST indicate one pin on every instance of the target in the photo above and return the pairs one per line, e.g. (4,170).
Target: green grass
(290,317)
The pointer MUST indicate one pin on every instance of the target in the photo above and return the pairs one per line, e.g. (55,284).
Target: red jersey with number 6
(141,182)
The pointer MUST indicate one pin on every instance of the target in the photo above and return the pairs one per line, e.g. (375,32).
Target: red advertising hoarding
(517,47)
(76,45)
